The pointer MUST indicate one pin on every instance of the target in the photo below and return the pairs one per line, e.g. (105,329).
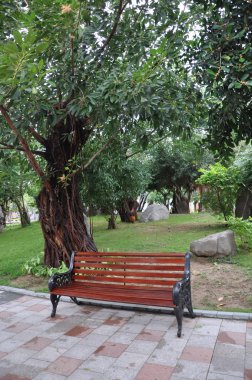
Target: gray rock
(220,244)
(154,212)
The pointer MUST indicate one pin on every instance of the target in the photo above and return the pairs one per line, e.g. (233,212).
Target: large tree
(222,59)
(73,71)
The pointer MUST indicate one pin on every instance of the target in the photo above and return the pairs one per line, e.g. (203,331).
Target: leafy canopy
(115,64)
(222,59)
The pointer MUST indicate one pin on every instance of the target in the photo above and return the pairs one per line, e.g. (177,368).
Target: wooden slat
(144,267)
(135,260)
(139,254)
(130,297)
(127,280)
(126,273)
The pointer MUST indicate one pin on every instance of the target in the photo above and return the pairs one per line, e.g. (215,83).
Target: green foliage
(174,165)
(36,267)
(113,178)
(243,230)
(222,187)
(244,163)
(223,64)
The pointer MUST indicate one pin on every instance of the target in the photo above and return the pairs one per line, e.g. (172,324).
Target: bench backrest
(152,270)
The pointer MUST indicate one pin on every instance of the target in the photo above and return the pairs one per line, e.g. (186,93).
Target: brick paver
(91,343)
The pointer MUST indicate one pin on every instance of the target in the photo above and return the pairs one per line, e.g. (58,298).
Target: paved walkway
(91,342)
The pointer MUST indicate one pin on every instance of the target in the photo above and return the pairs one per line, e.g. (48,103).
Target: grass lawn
(17,245)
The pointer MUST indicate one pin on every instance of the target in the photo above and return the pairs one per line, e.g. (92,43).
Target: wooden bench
(156,279)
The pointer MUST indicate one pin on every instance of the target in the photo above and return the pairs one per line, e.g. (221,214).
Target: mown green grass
(17,245)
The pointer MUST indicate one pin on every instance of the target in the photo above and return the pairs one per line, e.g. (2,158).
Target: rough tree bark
(128,211)
(60,209)
(180,204)
(61,212)
(24,217)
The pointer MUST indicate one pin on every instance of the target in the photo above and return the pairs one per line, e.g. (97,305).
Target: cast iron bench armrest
(61,279)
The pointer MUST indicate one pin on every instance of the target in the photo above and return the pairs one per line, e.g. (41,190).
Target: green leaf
(245,76)
(18,37)
(249,83)
(237,85)
(211,72)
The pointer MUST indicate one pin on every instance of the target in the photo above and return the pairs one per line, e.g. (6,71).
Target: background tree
(16,180)
(174,169)
(76,71)
(243,206)
(113,182)
(222,59)
(222,187)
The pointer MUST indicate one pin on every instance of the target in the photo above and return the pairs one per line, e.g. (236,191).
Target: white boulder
(220,244)
(154,212)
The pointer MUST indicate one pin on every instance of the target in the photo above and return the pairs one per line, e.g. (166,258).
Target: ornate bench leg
(74,299)
(178,310)
(54,300)
(190,309)
(188,301)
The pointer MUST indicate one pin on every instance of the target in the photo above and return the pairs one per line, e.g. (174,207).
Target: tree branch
(89,162)
(22,142)
(121,8)
(18,148)
(99,151)
(37,136)
(141,150)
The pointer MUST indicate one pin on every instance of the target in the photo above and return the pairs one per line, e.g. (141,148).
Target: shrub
(243,229)
(36,267)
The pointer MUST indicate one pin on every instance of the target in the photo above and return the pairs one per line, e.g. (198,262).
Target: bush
(243,230)
(222,187)
(36,267)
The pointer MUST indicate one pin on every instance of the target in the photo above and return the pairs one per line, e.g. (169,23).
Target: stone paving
(91,342)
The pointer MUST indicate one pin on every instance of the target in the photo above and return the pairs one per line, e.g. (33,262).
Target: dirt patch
(30,282)
(214,285)
(220,285)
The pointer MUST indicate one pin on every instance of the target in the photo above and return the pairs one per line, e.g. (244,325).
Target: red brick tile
(114,321)
(23,299)
(18,328)
(79,331)
(152,335)
(64,365)
(154,372)
(14,377)
(6,314)
(2,354)
(57,318)
(38,343)
(37,307)
(197,354)
(111,349)
(231,337)
(89,309)
(248,374)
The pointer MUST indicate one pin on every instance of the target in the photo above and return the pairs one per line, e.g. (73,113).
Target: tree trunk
(128,211)
(24,217)
(243,205)
(111,222)
(180,204)
(60,208)
(62,220)
(2,219)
